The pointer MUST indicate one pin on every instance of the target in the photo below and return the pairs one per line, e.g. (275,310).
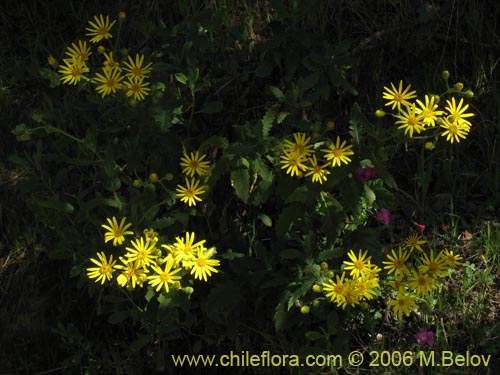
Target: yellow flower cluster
(299,158)
(192,165)
(363,283)
(415,276)
(415,116)
(129,76)
(161,266)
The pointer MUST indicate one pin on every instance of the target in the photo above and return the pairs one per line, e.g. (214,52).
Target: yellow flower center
(398,97)
(359,264)
(201,262)
(75,72)
(111,83)
(412,121)
(337,152)
(137,71)
(165,277)
(105,268)
(453,129)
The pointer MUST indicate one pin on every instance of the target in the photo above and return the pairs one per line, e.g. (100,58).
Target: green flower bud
(315,303)
(459,86)
(304,310)
(469,94)
(379,113)
(324,265)
(153,177)
(136,183)
(437,98)
(317,288)
(169,177)
(445,74)
(330,125)
(429,146)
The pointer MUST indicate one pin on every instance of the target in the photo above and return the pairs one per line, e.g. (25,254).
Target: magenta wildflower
(384,216)
(420,227)
(366,173)
(425,337)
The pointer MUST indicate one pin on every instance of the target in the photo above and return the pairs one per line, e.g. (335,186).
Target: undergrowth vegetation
(206,177)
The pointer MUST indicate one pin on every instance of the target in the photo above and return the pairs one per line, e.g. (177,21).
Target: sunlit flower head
(300,147)
(137,88)
(397,96)
(131,273)
(428,110)
(185,249)
(190,193)
(453,130)
(293,163)
(435,266)
(110,63)
(194,164)
(72,71)
(318,172)
(452,260)
(403,304)
(414,241)
(104,270)
(397,262)
(115,231)
(110,82)
(165,276)
(422,283)
(203,265)
(359,265)
(410,121)
(134,68)
(338,152)
(143,252)
(99,28)
(457,112)
(333,289)
(79,53)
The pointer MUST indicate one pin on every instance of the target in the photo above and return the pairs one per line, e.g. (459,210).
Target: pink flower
(384,216)
(420,227)
(366,173)
(425,337)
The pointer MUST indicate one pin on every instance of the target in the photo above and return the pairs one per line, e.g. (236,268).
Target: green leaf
(369,195)
(288,216)
(266,220)
(181,77)
(267,121)
(280,312)
(278,94)
(340,81)
(215,140)
(314,335)
(281,117)
(163,119)
(212,107)
(241,183)
(307,83)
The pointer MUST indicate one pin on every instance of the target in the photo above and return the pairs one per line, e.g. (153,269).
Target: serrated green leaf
(267,121)
(241,183)
(281,117)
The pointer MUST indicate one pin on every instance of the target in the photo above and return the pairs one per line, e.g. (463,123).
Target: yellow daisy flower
(100,28)
(110,82)
(110,63)
(452,260)
(414,241)
(115,231)
(397,263)
(293,164)
(185,249)
(131,273)
(398,96)
(137,88)
(318,172)
(333,289)
(194,164)
(104,270)
(360,264)
(410,120)
(422,283)
(403,304)
(434,266)
(190,193)
(300,147)
(454,130)
(165,276)
(457,112)
(202,265)
(72,71)
(428,110)
(80,52)
(338,152)
(135,69)
(144,253)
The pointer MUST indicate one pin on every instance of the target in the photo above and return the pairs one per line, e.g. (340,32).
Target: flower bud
(379,113)
(330,125)
(315,303)
(304,310)
(101,49)
(329,274)
(459,86)
(169,177)
(153,177)
(437,98)
(445,74)
(136,183)
(324,265)
(52,61)
(469,94)
(122,15)
(429,146)
(188,289)
(316,288)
